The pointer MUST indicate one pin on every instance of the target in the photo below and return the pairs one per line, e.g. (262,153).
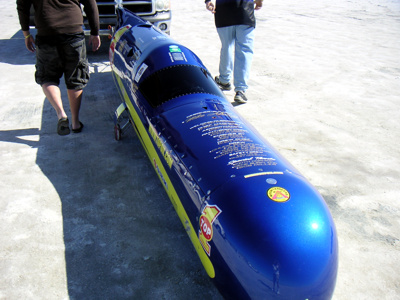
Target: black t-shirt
(234,12)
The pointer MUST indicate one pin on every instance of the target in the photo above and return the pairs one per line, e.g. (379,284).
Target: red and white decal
(207,218)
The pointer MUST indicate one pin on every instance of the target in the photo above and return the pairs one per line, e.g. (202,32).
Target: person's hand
(29,42)
(94,40)
(210,6)
(258,4)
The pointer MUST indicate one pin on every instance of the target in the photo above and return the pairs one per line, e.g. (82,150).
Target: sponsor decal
(122,46)
(160,174)
(207,218)
(278,194)
(176,54)
(263,173)
(114,41)
(174,48)
(140,72)
(161,146)
(177,57)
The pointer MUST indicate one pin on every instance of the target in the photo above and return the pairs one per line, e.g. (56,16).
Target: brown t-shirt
(53,17)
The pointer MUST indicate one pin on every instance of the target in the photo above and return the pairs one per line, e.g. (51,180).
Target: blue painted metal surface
(259,227)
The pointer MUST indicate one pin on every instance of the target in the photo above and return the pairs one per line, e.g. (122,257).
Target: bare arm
(258,3)
(92,13)
(29,41)
(23,9)
(210,6)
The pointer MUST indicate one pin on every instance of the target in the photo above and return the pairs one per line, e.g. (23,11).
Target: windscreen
(176,81)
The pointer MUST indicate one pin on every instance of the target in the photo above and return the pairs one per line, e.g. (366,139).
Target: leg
(243,56)
(48,74)
(75,98)
(76,74)
(226,35)
(53,94)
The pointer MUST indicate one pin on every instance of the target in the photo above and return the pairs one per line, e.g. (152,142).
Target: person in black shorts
(61,50)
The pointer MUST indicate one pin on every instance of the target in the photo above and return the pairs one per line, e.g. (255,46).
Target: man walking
(61,50)
(235,22)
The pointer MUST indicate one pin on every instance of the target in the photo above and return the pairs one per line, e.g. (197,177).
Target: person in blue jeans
(235,22)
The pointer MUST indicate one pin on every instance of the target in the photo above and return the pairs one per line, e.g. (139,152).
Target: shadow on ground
(123,239)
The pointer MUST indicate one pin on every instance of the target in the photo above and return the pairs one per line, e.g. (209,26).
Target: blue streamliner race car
(260,229)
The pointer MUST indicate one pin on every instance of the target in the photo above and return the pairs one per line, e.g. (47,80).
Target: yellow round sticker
(278,194)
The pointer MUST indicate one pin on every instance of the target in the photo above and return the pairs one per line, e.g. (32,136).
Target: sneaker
(223,86)
(240,97)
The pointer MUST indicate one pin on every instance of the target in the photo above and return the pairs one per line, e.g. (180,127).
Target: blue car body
(260,229)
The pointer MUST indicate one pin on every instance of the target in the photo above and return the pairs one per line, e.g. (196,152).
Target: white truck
(158,12)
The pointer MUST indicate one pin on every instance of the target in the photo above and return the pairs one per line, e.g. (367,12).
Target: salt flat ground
(84,217)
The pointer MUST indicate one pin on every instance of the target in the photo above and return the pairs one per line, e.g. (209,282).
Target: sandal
(77,130)
(63,126)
